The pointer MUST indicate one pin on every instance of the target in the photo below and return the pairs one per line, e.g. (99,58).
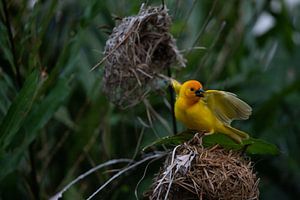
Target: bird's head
(192,90)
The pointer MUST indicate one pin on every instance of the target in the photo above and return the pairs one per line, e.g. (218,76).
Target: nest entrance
(194,172)
(138,50)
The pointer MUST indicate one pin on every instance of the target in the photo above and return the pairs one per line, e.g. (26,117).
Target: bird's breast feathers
(197,116)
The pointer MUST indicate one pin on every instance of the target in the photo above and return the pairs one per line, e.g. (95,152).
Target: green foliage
(18,111)
(55,122)
(170,141)
(250,146)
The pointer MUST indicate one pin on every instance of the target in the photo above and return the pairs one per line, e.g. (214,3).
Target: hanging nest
(194,172)
(138,50)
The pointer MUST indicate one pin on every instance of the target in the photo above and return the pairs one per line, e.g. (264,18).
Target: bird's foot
(210,132)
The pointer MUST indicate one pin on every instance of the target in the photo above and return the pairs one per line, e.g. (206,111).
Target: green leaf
(42,112)
(259,146)
(170,141)
(18,110)
(251,146)
(38,117)
(222,140)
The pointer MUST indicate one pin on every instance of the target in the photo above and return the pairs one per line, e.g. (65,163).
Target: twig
(110,162)
(171,91)
(123,171)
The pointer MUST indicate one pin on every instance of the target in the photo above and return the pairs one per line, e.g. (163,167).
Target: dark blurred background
(56,122)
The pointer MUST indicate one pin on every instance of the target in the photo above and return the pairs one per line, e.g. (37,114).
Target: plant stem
(171,91)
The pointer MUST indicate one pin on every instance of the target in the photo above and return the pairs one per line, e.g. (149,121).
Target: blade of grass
(36,119)
(46,109)
(18,110)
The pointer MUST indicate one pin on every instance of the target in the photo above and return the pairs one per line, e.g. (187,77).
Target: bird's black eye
(192,89)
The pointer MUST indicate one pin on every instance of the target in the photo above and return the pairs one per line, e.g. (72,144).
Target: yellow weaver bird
(211,110)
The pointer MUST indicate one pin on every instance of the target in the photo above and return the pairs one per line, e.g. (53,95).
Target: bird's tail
(235,134)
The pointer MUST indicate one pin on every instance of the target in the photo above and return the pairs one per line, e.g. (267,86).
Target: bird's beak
(199,93)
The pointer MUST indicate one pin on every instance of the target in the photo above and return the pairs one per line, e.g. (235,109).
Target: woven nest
(194,172)
(138,50)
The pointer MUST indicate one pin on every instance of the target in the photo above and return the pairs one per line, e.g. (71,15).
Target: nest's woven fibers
(194,172)
(138,50)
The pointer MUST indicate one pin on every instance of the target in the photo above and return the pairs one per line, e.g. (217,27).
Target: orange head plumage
(191,90)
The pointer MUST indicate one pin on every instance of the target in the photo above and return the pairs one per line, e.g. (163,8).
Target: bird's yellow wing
(176,85)
(227,106)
